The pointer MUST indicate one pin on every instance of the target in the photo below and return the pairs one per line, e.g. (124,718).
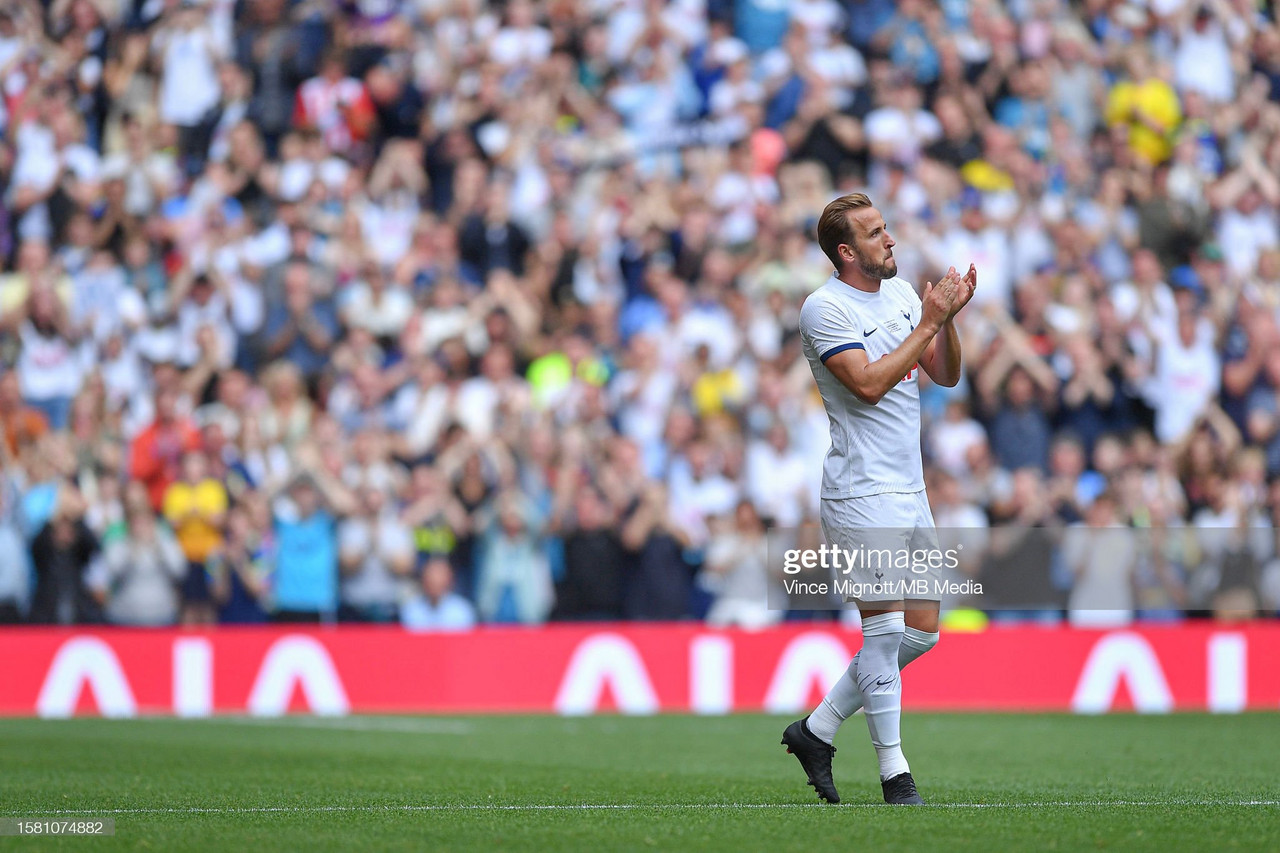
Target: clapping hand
(940,299)
(968,285)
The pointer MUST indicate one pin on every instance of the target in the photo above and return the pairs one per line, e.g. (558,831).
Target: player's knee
(919,642)
(883,624)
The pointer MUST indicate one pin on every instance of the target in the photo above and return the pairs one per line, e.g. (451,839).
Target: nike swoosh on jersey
(867,334)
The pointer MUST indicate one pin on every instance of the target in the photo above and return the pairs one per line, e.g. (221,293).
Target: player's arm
(941,358)
(846,357)
(870,380)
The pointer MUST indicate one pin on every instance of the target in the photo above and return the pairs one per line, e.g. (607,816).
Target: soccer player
(867,335)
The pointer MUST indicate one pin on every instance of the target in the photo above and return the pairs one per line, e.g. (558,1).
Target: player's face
(873,247)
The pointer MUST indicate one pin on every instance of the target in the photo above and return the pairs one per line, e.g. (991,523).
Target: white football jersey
(874,449)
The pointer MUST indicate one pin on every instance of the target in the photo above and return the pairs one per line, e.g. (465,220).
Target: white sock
(914,644)
(844,699)
(880,683)
(841,702)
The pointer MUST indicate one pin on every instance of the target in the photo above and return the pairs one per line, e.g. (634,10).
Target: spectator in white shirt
(1145,300)
(951,438)
(189,55)
(988,247)
(818,18)
(1202,61)
(375,553)
(203,305)
(521,43)
(778,478)
(899,128)
(839,64)
(1246,230)
(699,490)
(375,304)
(1185,378)
(49,367)
(737,574)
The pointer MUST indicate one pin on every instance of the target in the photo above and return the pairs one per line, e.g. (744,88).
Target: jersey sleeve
(829,329)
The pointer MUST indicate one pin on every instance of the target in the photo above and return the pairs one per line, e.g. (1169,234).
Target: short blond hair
(834,227)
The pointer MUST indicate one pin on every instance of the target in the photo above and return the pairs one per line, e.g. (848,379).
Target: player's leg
(921,631)
(844,699)
(872,678)
(919,634)
(839,518)
(882,518)
(878,679)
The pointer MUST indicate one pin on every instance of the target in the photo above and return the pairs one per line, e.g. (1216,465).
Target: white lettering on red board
(85,662)
(192,677)
(1228,673)
(809,660)
(602,664)
(711,675)
(606,660)
(1122,657)
(302,661)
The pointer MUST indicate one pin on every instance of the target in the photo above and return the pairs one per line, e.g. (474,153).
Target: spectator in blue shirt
(437,607)
(306,580)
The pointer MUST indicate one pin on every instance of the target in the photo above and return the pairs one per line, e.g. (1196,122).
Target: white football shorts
(898,522)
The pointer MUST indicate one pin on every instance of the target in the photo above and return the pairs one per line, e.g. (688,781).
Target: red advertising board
(631,668)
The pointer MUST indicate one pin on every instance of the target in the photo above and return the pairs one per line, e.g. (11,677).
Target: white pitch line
(503,807)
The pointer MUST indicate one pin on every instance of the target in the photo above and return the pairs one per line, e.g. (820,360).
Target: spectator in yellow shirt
(195,507)
(1147,107)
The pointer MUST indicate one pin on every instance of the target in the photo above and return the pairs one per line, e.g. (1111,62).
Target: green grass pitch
(994,782)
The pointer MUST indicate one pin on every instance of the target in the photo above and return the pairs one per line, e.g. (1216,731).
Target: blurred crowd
(452,312)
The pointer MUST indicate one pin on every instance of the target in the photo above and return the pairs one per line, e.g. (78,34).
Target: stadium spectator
(143,570)
(241,571)
(1102,556)
(22,424)
(1019,428)
(61,554)
(196,508)
(436,607)
(156,452)
(660,585)
(336,104)
(513,576)
(591,588)
(15,568)
(738,576)
(305,588)
(49,370)
(375,553)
